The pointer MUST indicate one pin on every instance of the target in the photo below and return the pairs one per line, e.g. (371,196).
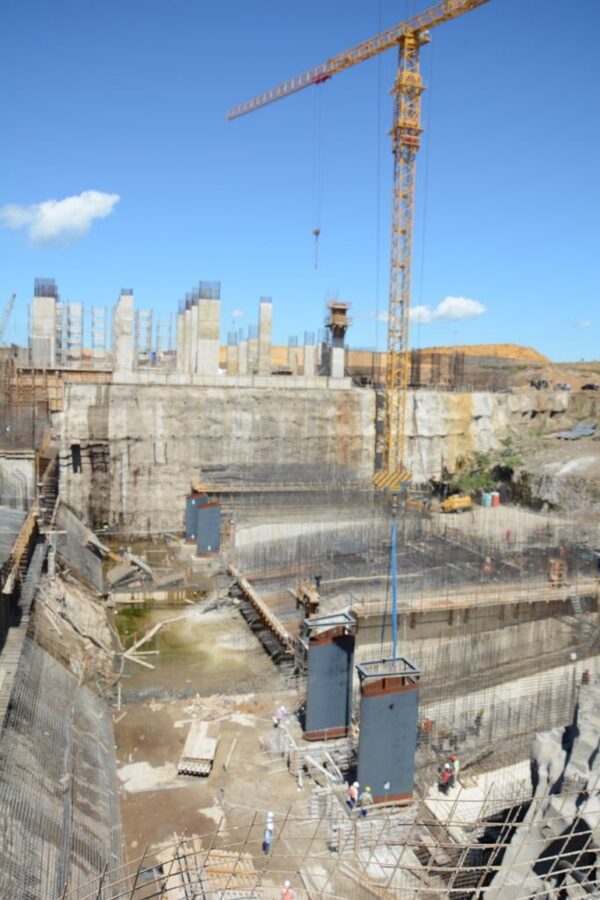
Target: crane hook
(316,232)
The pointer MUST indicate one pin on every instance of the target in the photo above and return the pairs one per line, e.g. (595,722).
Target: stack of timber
(200,748)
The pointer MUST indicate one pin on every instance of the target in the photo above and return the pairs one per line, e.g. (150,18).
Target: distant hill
(500,351)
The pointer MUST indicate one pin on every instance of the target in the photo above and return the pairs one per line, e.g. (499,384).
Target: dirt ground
(158,806)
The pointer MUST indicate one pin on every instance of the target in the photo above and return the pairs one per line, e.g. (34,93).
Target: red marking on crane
(319,79)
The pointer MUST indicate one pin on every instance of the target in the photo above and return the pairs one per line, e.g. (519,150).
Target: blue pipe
(394,568)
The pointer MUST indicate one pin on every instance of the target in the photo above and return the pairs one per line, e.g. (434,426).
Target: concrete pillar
(310,354)
(252,350)
(180,341)
(265,331)
(243,358)
(187,333)
(43,331)
(232,353)
(123,333)
(209,318)
(337,362)
(194,317)
(293,356)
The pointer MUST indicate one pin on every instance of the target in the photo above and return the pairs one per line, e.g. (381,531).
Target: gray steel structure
(330,640)
(208,527)
(389,704)
(192,504)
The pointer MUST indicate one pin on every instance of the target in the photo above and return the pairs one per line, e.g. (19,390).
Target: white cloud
(59,221)
(457,308)
(585,324)
(237,313)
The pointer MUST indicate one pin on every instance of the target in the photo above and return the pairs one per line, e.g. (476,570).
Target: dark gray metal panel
(191,511)
(208,529)
(388,742)
(329,684)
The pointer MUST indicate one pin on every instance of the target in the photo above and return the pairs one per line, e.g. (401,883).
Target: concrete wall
(142,444)
(157,432)
(17,482)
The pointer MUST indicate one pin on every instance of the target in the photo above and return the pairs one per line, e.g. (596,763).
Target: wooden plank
(200,748)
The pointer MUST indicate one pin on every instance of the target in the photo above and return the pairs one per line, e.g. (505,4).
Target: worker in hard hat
(287,892)
(455,763)
(444,781)
(365,800)
(268,835)
(352,795)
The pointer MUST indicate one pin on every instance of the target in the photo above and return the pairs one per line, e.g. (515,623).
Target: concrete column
(310,354)
(232,354)
(252,350)
(180,341)
(43,331)
(265,330)
(187,346)
(337,362)
(209,316)
(123,334)
(194,316)
(293,358)
(243,358)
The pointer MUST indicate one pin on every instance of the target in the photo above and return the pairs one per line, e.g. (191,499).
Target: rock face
(142,444)
(443,426)
(555,849)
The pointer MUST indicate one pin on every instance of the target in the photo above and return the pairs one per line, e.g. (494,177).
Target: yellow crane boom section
(434,15)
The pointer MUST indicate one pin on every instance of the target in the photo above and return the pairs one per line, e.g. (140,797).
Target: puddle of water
(198,654)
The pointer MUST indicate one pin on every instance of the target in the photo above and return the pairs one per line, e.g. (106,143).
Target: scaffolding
(98,335)
(73,333)
(143,336)
(451,848)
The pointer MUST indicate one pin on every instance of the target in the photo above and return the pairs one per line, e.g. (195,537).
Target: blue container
(329,680)
(208,527)
(192,503)
(389,704)
(486,499)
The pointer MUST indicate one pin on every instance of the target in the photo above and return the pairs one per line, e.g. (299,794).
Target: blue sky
(129,98)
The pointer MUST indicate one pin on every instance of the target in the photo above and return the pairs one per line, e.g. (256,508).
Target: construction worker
(269,832)
(455,762)
(444,781)
(287,892)
(365,800)
(279,716)
(352,795)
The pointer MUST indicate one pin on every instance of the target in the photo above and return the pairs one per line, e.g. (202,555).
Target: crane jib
(429,18)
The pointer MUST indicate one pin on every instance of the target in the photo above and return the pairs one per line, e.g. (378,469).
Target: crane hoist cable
(318,171)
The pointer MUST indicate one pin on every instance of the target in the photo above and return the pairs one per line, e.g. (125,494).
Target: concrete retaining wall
(142,443)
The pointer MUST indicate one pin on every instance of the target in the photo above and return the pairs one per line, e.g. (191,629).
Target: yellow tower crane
(408,36)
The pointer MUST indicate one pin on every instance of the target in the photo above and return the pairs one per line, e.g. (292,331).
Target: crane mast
(406,131)
(406,137)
